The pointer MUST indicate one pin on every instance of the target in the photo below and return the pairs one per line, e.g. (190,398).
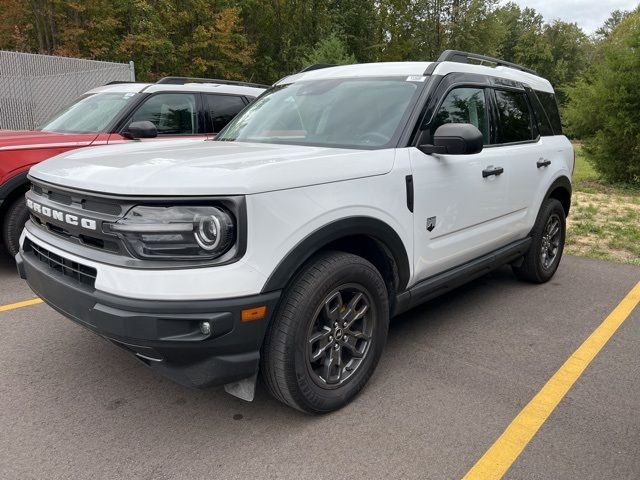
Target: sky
(588,14)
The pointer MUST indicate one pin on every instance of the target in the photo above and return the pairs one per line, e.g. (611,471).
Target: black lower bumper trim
(164,334)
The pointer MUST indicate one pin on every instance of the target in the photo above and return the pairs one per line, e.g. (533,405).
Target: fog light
(205,328)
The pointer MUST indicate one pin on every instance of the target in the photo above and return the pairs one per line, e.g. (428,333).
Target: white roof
(400,69)
(187,87)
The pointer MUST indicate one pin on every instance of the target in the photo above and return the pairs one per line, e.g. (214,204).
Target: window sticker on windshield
(416,78)
(127,95)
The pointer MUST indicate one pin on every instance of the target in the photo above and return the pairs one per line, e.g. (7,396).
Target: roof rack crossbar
(464,57)
(184,80)
(317,66)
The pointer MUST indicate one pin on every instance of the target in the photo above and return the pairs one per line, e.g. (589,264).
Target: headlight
(176,233)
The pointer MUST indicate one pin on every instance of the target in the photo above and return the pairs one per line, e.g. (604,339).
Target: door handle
(543,162)
(491,170)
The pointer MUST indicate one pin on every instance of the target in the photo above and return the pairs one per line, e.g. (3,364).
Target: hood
(27,139)
(198,167)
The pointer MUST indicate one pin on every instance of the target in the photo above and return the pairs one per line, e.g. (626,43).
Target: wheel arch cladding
(12,189)
(367,237)
(560,189)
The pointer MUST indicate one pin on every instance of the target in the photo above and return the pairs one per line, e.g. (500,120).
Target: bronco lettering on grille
(61,216)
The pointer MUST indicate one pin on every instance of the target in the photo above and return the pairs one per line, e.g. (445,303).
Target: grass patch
(605,219)
(586,179)
(583,171)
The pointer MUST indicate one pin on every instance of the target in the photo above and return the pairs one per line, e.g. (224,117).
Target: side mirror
(143,129)
(455,139)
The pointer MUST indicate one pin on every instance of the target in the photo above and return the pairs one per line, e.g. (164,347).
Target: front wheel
(328,333)
(547,244)
(13,223)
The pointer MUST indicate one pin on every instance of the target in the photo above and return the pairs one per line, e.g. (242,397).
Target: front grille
(86,240)
(81,205)
(76,271)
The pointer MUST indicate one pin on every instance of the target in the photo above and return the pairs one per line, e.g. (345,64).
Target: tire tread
(277,362)
(14,219)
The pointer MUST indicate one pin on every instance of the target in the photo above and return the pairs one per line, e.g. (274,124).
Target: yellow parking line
(506,449)
(13,306)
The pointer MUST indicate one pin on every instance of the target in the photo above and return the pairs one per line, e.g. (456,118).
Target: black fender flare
(345,227)
(14,182)
(564,183)
(7,189)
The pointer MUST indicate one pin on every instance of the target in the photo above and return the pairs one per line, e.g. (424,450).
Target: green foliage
(263,40)
(331,50)
(583,172)
(616,17)
(604,107)
(558,51)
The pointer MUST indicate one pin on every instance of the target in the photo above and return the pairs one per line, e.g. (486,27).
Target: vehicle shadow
(6,262)
(116,380)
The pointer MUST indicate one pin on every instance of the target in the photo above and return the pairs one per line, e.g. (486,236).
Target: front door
(175,115)
(460,210)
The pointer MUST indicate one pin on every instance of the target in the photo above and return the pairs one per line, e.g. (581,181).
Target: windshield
(350,113)
(90,114)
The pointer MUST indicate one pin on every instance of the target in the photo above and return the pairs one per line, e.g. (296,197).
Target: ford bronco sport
(341,197)
(115,113)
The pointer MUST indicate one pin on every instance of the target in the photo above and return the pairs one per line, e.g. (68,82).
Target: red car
(172,107)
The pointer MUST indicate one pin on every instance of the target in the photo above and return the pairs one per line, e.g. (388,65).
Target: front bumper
(165,335)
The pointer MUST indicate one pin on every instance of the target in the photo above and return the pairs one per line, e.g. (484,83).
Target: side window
(464,105)
(550,105)
(514,116)
(544,126)
(222,109)
(171,113)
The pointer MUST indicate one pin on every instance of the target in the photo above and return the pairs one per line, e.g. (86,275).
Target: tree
(616,17)
(355,23)
(263,40)
(604,107)
(14,33)
(569,49)
(559,51)
(329,50)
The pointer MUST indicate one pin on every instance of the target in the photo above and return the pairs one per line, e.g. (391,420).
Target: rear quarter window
(548,101)
(543,122)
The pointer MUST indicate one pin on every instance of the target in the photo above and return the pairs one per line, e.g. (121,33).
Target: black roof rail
(183,80)
(119,82)
(317,66)
(464,57)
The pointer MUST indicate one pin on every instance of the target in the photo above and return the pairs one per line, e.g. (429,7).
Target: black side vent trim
(409,182)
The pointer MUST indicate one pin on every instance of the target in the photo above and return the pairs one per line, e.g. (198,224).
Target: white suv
(341,197)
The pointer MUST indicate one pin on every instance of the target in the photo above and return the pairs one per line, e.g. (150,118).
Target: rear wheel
(328,333)
(547,244)
(15,217)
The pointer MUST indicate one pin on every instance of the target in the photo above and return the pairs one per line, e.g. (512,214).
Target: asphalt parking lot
(454,375)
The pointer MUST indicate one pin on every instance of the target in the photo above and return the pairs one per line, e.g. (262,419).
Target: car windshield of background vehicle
(90,114)
(348,113)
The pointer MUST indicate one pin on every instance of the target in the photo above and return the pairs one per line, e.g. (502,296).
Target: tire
(332,289)
(14,219)
(537,267)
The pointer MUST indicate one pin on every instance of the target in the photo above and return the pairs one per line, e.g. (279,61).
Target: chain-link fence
(34,87)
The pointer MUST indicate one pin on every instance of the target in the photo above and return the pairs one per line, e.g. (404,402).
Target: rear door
(220,110)
(524,153)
